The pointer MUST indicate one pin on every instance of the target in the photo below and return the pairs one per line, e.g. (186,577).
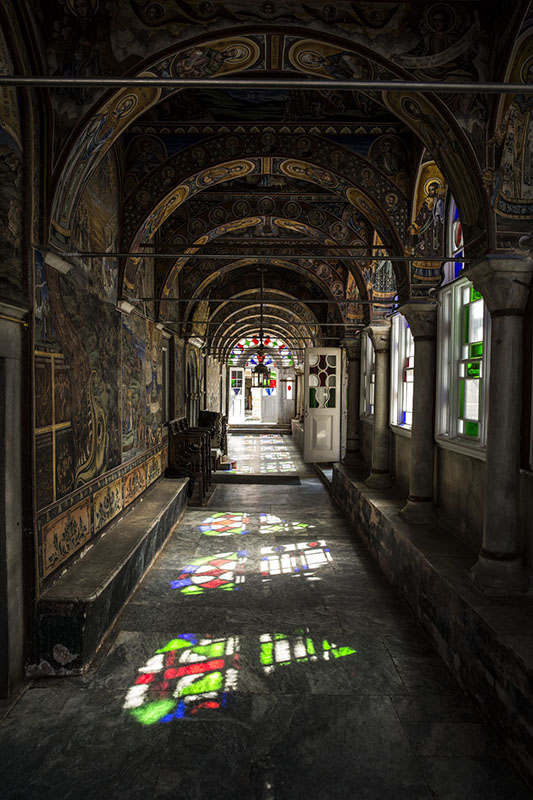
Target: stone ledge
(485,641)
(75,613)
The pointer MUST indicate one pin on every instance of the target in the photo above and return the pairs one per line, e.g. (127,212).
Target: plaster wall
(526,514)
(461,494)
(401,459)
(366,430)
(11,567)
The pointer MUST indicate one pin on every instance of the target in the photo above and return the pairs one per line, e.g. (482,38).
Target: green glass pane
(472,428)
(326,645)
(174,644)
(312,399)
(476,350)
(332,399)
(475,295)
(473,369)
(153,712)
(279,636)
(466,317)
(212,682)
(267,649)
(339,652)
(461,398)
(192,590)
(210,650)
(310,647)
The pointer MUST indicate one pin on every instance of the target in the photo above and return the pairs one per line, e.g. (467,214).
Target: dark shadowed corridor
(263,657)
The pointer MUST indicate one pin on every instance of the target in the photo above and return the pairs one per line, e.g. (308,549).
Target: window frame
(368,378)
(402,348)
(449,355)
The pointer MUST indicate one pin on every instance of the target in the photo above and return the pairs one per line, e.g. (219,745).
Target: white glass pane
(313,359)
(313,380)
(466,294)
(475,333)
(472,399)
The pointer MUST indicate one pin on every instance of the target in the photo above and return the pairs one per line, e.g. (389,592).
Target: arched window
(454,244)
(402,372)
(368,377)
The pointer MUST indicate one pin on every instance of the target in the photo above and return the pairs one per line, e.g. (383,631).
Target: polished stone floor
(270,454)
(264,657)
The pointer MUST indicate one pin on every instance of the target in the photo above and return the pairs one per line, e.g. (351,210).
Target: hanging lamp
(261,373)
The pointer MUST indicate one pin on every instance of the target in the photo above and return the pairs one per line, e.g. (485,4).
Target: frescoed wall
(98,384)
(11,196)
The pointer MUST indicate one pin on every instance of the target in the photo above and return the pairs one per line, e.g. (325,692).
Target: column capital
(422,319)
(380,335)
(353,348)
(503,281)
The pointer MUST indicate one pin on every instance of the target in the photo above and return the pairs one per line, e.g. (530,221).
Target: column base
(418,512)
(499,575)
(379,480)
(353,458)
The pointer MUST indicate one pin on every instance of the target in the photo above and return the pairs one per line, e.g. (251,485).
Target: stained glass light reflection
(188,674)
(270,523)
(303,559)
(223,571)
(225,524)
(281,650)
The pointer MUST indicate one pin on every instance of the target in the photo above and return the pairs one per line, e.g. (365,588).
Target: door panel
(322,416)
(236,395)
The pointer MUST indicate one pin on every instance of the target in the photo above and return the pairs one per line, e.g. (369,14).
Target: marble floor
(266,454)
(263,657)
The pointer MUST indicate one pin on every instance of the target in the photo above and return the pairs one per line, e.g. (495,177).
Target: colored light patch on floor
(303,559)
(225,524)
(188,675)
(281,650)
(270,523)
(223,571)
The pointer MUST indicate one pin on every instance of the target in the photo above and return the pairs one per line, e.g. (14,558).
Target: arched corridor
(264,655)
(271,261)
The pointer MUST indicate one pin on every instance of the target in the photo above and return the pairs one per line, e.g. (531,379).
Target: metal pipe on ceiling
(233,256)
(274,84)
(253,301)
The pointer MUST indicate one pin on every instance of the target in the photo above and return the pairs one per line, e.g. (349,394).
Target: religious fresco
(153,385)
(179,377)
(133,401)
(512,191)
(12,283)
(95,228)
(427,227)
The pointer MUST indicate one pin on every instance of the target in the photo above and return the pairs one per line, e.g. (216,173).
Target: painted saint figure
(427,232)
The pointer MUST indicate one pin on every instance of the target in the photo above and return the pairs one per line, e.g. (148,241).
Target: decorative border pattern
(68,525)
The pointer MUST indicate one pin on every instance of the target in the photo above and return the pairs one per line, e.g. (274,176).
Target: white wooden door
(236,395)
(322,403)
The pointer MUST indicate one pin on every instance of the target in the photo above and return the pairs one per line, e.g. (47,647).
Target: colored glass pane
(473,369)
(475,295)
(476,350)
(472,429)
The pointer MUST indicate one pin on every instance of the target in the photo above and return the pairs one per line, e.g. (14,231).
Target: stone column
(422,319)
(380,476)
(504,283)
(353,353)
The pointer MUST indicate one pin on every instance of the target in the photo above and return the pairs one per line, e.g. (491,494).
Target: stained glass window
(461,385)
(368,376)
(322,380)
(276,351)
(402,372)
(455,244)
(470,362)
